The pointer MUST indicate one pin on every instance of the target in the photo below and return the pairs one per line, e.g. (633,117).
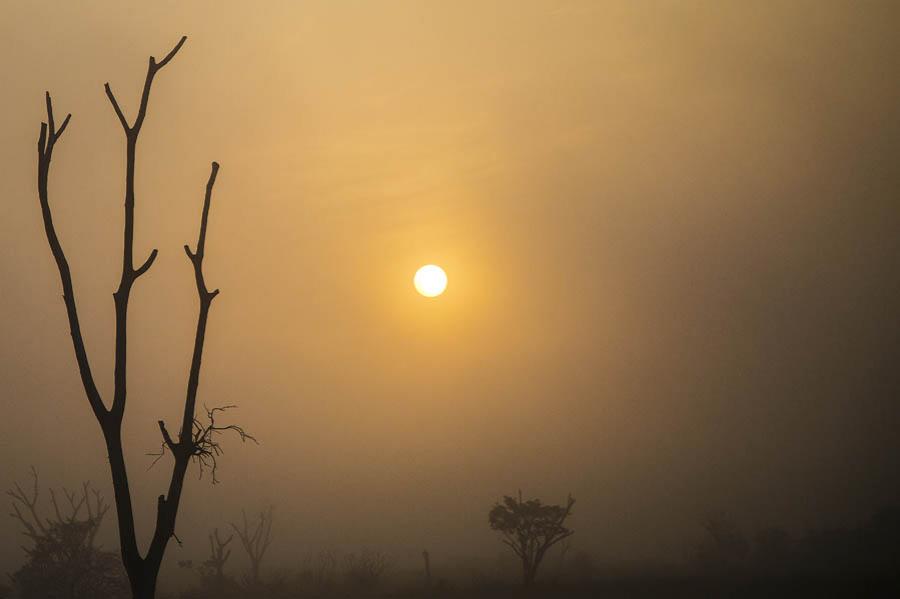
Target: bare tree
(36,527)
(218,556)
(530,528)
(212,570)
(142,570)
(63,558)
(255,539)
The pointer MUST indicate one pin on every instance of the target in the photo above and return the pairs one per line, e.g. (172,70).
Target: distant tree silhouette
(214,567)
(530,528)
(213,580)
(194,441)
(255,538)
(63,559)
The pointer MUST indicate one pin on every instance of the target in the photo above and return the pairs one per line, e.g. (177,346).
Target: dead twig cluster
(204,448)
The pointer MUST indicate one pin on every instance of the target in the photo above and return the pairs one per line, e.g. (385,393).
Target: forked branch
(206,298)
(197,440)
(152,68)
(196,257)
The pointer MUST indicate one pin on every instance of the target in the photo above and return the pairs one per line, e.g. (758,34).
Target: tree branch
(115,105)
(166,437)
(21,497)
(112,430)
(129,272)
(146,265)
(170,55)
(54,134)
(205,447)
(206,298)
(152,68)
(46,142)
(64,125)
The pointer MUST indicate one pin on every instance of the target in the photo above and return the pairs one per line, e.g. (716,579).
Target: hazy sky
(672,231)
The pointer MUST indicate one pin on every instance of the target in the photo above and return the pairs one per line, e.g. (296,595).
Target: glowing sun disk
(430,280)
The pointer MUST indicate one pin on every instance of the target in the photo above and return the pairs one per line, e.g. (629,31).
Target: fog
(670,230)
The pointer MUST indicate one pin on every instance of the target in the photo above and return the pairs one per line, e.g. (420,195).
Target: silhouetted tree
(530,528)
(214,567)
(213,580)
(194,440)
(63,560)
(255,539)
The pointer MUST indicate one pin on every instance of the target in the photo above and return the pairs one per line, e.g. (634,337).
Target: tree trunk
(144,587)
(528,573)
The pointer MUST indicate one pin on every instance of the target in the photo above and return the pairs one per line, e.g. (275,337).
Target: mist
(670,231)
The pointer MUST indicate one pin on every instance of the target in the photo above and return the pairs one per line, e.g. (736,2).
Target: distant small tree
(64,561)
(530,529)
(213,569)
(213,580)
(255,539)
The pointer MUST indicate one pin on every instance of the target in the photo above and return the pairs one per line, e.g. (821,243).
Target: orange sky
(670,230)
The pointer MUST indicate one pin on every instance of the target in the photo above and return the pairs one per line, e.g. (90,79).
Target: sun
(430,280)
